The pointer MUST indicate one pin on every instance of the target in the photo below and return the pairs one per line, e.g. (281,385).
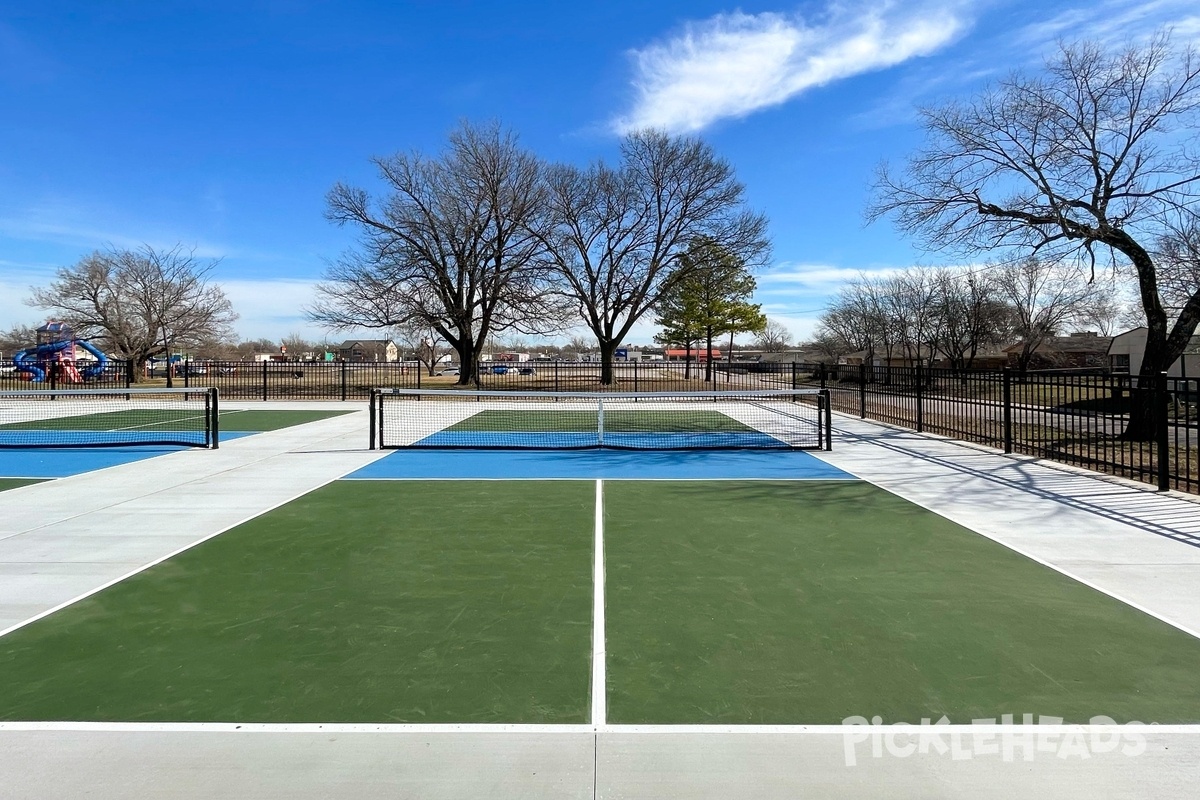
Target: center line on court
(599,694)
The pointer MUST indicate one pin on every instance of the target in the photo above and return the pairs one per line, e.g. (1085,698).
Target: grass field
(470,601)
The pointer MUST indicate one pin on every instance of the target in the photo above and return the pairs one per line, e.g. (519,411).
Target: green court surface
(261,421)
(360,602)
(161,417)
(13,483)
(731,602)
(616,421)
(766,602)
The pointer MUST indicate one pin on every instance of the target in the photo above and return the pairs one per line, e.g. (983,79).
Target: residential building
(1126,351)
(368,350)
(1081,350)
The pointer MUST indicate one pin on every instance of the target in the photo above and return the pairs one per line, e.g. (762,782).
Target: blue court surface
(642,440)
(601,464)
(63,462)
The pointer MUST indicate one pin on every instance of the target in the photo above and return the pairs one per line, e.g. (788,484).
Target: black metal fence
(115,375)
(1076,418)
(1108,423)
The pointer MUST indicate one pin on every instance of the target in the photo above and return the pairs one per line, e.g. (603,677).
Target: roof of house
(1074,343)
(695,351)
(350,344)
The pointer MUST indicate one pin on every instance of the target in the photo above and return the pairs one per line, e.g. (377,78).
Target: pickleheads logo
(1006,738)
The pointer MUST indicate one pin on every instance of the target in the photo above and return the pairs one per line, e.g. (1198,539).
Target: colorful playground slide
(36,361)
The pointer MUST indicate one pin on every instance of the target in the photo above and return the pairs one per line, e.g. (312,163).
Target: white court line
(599,684)
(575,729)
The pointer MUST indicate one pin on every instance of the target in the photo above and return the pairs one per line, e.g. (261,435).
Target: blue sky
(222,125)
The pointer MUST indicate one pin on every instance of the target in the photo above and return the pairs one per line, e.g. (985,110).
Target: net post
(600,419)
(213,403)
(828,415)
(373,407)
(344,381)
(264,381)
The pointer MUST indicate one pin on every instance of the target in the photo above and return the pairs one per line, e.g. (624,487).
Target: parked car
(499,370)
(448,371)
(526,371)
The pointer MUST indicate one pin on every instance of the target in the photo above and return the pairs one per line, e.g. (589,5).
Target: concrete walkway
(62,539)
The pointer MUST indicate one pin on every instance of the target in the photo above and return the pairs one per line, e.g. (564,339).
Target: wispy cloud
(1113,21)
(58,226)
(732,65)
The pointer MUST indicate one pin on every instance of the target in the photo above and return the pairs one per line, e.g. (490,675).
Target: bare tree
(1043,297)
(423,343)
(616,235)
(773,338)
(452,246)
(140,302)
(1086,158)
(969,316)
(18,337)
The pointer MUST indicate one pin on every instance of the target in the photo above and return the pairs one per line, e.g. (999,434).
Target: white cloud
(734,64)
(1114,21)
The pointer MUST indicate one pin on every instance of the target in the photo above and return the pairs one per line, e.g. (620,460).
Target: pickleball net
(789,419)
(53,418)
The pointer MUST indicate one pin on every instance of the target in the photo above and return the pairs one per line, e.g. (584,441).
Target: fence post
(635,376)
(1006,378)
(556,375)
(794,372)
(862,390)
(823,386)
(920,400)
(342,379)
(371,436)
(128,372)
(420,369)
(264,381)
(1161,399)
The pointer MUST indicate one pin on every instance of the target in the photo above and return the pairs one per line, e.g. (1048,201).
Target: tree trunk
(468,363)
(607,351)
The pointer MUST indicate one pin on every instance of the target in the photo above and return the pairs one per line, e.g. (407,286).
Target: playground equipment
(55,351)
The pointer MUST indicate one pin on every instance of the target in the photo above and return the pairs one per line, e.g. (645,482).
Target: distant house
(899,358)
(368,350)
(1080,350)
(1126,350)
